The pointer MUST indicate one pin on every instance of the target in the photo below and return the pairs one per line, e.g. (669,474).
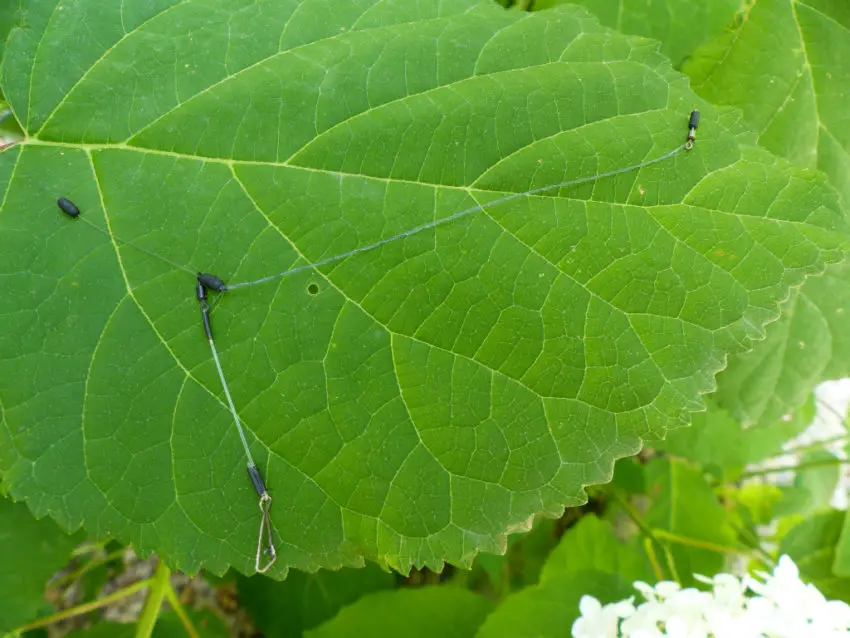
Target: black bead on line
(693,124)
(211,282)
(68,207)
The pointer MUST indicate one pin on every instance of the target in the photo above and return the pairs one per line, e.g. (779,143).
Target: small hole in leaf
(313,289)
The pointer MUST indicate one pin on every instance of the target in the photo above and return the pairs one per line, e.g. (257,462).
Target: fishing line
(71,210)
(206,282)
(127,242)
(455,216)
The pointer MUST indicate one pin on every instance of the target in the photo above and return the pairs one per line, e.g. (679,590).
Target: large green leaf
(31,551)
(680,25)
(413,403)
(808,344)
(786,67)
(429,611)
(309,599)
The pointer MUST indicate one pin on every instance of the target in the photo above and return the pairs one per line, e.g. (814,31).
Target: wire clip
(693,124)
(265,523)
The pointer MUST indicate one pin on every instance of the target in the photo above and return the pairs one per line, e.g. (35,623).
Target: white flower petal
(589,606)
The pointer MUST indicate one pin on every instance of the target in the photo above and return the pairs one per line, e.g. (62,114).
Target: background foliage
(474,376)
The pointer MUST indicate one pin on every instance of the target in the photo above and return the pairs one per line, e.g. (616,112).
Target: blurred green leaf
(452,612)
(819,482)
(813,487)
(106,630)
(94,580)
(31,551)
(521,564)
(591,546)
(717,440)
(684,505)
(807,344)
(786,67)
(680,25)
(589,559)
(217,580)
(206,623)
(629,475)
(309,599)
(759,499)
(812,545)
(841,562)
(550,608)
(168,625)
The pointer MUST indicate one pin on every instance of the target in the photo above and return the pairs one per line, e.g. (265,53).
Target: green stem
(653,558)
(86,607)
(698,544)
(801,467)
(174,601)
(88,548)
(94,562)
(671,563)
(816,445)
(150,612)
(648,532)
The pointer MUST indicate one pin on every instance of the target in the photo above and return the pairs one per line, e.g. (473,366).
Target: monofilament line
(455,216)
(132,244)
(239,429)
(74,213)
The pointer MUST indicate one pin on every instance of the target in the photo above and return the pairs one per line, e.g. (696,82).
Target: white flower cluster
(779,605)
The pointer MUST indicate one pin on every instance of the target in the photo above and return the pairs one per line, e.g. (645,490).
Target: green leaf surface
(786,67)
(428,611)
(808,344)
(680,25)
(522,562)
(812,546)
(31,551)
(813,487)
(309,599)
(841,562)
(168,625)
(506,358)
(591,546)
(11,14)
(589,560)
(684,505)
(205,622)
(550,608)
(106,630)
(715,440)
(629,475)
